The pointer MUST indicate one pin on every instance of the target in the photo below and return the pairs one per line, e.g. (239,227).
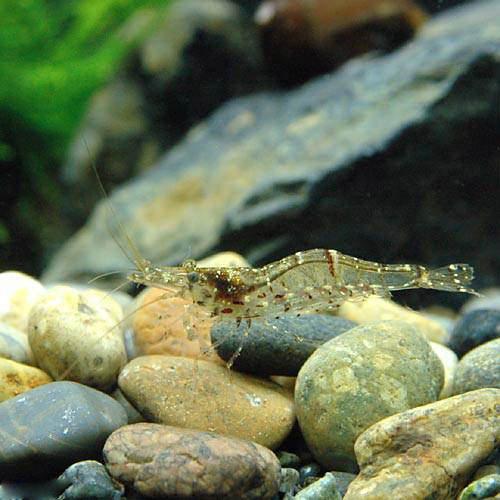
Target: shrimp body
(311,281)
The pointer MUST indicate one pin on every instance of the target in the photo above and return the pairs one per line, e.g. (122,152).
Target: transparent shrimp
(312,281)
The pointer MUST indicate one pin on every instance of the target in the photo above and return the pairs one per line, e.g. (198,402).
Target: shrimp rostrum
(311,281)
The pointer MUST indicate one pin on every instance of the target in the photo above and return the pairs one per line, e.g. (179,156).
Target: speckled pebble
(289,480)
(202,395)
(16,378)
(309,470)
(88,480)
(275,346)
(74,335)
(171,325)
(359,378)
(288,459)
(479,368)
(377,309)
(14,344)
(322,489)
(473,329)
(52,426)
(19,293)
(429,451)
(161,461)
(485,487)
(450,361)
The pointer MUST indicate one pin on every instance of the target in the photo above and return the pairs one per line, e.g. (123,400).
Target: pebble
(14,344)
(322,489)
(206,396)
(289,480)
(16,378)
(275,346)
(485,487)
(288,459)
(88,480)
(427,452)
(19,293)
(161,461)
(52,426)
(377,309)
(171,325)
(449,360)
(486,470)
(344,479)
(134,417)
(473,329)
(353,381)
(309,470)
(479,368)
(75,335)
(489,299)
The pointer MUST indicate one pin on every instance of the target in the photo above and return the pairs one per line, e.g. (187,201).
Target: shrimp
(312,281)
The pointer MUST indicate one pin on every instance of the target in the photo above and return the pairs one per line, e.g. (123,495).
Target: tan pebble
(167,462)
(165,324)
(76,336)
(206,396)
(224,259)
(16,378)
(429,451)
(19,293)
(14,344)
(378,309)
(285,382)
(449,360)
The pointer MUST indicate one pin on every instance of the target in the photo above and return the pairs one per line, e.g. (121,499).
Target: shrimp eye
(193,277)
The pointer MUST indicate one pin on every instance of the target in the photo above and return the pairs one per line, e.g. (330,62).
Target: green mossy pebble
(353,381)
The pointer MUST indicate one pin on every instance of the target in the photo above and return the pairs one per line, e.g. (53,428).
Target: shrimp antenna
(137,258)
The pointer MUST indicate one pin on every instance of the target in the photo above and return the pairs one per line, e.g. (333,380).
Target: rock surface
(14,344)
(479,368)
(355,380)
(50,427)
(485,488)
(206,396)
(76,335)
(88,480)
(162,461)
(378,309)
(427,452)
(450,361)
(19,293)
(322,489)
(473,329)
(274,173)
(275,346)
(16,378)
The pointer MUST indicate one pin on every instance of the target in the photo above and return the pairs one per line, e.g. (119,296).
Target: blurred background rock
(120,84)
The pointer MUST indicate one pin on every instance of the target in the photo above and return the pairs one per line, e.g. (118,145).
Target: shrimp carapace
(315,280)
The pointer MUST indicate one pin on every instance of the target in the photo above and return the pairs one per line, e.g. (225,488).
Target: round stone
(160,461)
(16,378)
(14,344)
(479,368)
(206,396)
(52,426)
(429,451)
(166,324)
(359,378)
(473,329)
(88,480)
(275,346)
(450,361)
(76,335)
(19,293)
(377,309)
